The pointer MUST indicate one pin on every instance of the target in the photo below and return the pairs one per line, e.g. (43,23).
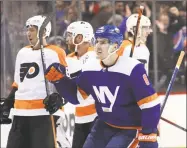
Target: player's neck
(37,46)
(81,51)
(111,60)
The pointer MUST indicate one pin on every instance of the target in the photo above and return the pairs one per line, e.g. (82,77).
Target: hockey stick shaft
(174,124)
(41,32)
(137,28)
(172,80)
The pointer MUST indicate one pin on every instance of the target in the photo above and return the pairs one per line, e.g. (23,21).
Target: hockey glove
(148,139)
(5,110)
(53,102)
(55,72)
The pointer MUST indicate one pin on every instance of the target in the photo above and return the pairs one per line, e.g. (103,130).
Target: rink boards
(175,111)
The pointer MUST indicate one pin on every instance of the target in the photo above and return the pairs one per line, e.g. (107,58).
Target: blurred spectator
(102,17)
(58,41)
(116,19)
(119,8)
(89,9)
(164,47)
(122,26)
(60,6)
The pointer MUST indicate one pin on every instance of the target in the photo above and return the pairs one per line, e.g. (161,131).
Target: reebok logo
(28,70)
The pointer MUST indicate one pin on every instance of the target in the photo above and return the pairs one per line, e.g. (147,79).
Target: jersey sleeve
(71,89)
(146,97)
(56,55)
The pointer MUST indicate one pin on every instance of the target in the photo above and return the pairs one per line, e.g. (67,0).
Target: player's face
(146,31)
(101,48)
(69,38)
(32,35)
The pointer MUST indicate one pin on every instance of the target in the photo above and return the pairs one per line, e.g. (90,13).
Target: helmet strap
(112,56)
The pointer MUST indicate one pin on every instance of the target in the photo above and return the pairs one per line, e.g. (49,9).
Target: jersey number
(104,91)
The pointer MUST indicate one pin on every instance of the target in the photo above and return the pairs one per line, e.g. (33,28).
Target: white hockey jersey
(29,78)
(140,52)
(85,111)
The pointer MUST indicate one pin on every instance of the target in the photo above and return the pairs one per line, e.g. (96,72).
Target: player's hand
(55,72)
(148,140)
(53,102)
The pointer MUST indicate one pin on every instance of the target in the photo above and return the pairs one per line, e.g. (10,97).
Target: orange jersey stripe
(61,53)
(122,47)
(85,110)
(73,53)
(29,104)
(125,127)
(148,99)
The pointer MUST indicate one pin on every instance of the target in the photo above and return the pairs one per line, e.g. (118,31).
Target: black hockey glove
(6,105)
(53,102)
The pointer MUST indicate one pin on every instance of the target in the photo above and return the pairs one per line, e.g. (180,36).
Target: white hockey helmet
(132,22)
(38,21)
(83,28)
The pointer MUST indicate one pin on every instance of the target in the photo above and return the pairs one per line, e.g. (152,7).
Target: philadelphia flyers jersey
(140,53)
(29,78)
(85,111)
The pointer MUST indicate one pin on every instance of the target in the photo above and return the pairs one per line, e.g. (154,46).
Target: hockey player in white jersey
(79,37)
(32,126)
(141,52)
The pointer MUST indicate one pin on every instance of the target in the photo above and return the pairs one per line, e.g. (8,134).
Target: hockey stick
(179,61)
(41,32)
(174,124)
(137,28)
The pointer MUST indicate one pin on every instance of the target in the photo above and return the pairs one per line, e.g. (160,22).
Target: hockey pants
(105,136)
(31,132)
(81,132)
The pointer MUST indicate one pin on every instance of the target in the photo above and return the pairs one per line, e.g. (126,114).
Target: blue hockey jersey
(123,94)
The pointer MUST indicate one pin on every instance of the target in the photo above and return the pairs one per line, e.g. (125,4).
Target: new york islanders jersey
(123,95)
(140,53)
(85,111)
(29,79)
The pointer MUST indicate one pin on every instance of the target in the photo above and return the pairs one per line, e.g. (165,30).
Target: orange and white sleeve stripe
(149,101)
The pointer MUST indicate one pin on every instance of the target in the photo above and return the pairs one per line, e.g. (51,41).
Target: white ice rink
(171,137)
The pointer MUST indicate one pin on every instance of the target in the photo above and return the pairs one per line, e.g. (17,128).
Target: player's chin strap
(111,51)
(76,44)
(37,43)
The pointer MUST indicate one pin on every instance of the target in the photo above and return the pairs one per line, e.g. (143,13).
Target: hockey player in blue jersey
(127,105)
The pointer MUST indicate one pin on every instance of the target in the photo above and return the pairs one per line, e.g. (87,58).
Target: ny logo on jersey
(28,70)
(104,91)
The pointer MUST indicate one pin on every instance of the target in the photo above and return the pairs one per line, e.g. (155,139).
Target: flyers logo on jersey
(28,70)
(146,80)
